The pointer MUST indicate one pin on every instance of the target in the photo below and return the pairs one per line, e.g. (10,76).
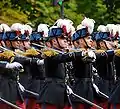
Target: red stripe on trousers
(116,105)
(32,104)
(21,104)
(104,105)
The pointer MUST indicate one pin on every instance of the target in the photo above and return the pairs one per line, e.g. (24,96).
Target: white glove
(94,69)
(84,53)
(69,90)
(14,65)
(40,62)
(21,87)
(92,55)
(96,88)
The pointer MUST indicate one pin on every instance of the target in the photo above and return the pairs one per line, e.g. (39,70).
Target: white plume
(4,27)
(17,27)
(72,30)
(102,28)
(28,28)
(65,23)
(112,28)
(118,30)
(115,30)
(80,27)
(89,23)
(43,28)
(1,29)
(59,20)
(70,21)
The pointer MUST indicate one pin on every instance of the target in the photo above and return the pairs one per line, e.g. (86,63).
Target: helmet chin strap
(24,46)
(13,48)
(86,43)
(60,47)
(106,45)
(3,45)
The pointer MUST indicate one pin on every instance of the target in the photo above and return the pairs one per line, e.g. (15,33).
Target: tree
(9,15)
(39,11)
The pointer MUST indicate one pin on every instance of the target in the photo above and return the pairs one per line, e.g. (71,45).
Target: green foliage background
(42,11)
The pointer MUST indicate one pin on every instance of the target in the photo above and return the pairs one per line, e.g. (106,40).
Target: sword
(104,94)
(58,51)
(96,87)
(69,90)
(25,90)
(7,102)
(99,92)
(33,93)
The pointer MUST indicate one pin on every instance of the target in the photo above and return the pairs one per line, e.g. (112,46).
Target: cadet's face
(76,44)
(110,45)
(27,44)
(116,43)
(48,44)
(102,45)
(94,44)
(2,43)
(63,42)
(24,44)
(89,41)
(15,44)
(81,43)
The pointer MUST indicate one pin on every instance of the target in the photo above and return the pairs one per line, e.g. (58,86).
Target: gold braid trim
(18,51)
(117,52)
(49,53)
(31,52)
(7,55)
(99,51)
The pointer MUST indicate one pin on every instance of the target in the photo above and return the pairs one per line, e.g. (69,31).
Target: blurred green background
(43,11)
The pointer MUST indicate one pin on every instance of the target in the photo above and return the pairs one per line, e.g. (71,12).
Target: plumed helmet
(89,23)
(113,29)
(4,28)
(80,33)
(55,31)
(66,25)
(27,29)
(43,29)
(19,28)
(102,28)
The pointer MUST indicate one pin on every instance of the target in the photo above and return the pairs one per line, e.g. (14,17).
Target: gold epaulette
(117,52)
(7,55)
(18,51)
(76,50)
(99,51)
(31,52)
(49,53)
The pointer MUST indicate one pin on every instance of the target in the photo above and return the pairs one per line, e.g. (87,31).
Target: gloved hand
(84,53)
(92,55)
(69,90)
(40,62)
(14,65)
(96,88)
(37,61)
(21,87)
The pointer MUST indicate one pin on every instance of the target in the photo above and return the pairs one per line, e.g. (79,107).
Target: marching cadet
(37,38)
(54,95)
(18,40)
(83,65)
(8,77)
(34,69)
(104,66)
(115,96)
